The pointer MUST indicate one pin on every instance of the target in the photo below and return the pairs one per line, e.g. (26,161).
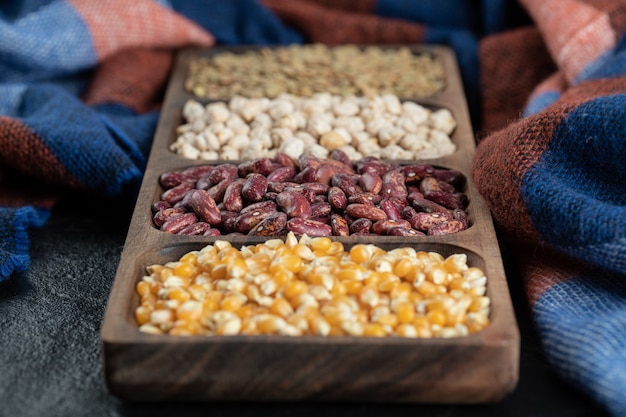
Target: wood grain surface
(478,368)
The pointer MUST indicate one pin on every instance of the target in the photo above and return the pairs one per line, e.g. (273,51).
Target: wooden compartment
(481,367)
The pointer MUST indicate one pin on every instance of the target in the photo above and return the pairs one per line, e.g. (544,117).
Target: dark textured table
(50,319)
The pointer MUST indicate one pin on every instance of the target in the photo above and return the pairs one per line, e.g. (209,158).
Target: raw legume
(309,195)
(380,125)
(307,69)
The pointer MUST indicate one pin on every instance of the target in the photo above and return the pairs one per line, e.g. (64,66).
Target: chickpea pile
(313,286)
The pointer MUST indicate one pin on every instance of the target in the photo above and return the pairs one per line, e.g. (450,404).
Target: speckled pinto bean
(300,226)
(271,196)
(254,188)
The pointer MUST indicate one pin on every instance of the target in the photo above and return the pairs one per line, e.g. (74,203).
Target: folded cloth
(555,182)
(81,85)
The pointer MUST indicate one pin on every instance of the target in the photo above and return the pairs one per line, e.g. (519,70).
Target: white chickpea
(413,141)
(392,103)
(222,133)
(359,137)
(261,120)
(318,124)
(237,102)
(187,150)
(346,108)
(197,125)
(280,135)
(199,141)
(209,156)
(184,128)
(317,150)
(306,137)
(350,123)
(352,153)
(393,152)
(216,113)
(390,135)
(443,120)
(255,150)
(419,114)
(192,110)
(228,153)
(293,147)
(252,108)
(261,135)
(239,142)
(290,121)
(375,125)
(280,108)
(333,140)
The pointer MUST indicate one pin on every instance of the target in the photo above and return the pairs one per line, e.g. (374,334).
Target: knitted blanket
(81,84)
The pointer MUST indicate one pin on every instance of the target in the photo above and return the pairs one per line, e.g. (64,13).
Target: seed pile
(313,196)
(313,286)
(308,69)
(246,128)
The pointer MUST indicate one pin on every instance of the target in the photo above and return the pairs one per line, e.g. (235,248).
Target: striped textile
(81,85)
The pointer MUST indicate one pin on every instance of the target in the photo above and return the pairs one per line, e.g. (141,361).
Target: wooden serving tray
(481,367)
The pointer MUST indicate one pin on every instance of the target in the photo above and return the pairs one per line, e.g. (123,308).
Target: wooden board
(481,367)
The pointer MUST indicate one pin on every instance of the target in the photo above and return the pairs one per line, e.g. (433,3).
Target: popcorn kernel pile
(313,286)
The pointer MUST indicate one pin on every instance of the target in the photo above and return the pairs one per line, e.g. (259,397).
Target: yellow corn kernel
(404,267)
(388,281)
(478,303)
(219,271)
(437,275)
(143,288)
(165,273)
(229,327)
(374,330)
(246,310)
(387,320)
(335,249)
(360,253)
(270,324)
(232,303)
(338,289)
(406,330)
(197,292)
(185,269)
(295,288)
(369,296)
(236,268)
(405,312)
(292,262)
(189,311)
(142,314)
(258,261)
(212,301)
(322,244)
(299,321)
(373,279)
(456,263)
(281,307)
(185,328)
(353,287)
(436,317)
(402,291)
(149,300)
(249,326)
(427,288)
(178,294)
(351,272)
(458,283)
